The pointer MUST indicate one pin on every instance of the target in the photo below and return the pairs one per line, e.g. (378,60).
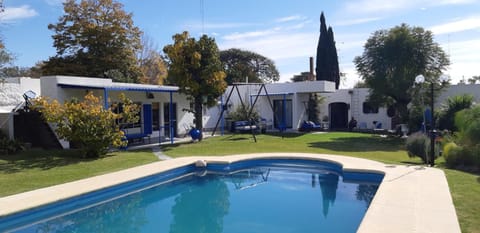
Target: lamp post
(419,80)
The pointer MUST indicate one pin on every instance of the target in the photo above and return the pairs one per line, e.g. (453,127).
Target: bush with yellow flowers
(87,123)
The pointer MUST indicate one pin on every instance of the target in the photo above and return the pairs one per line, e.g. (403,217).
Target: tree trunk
(198,115)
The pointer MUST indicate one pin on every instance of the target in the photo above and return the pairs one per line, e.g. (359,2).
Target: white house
(161,113)
(281,105)
(338,107)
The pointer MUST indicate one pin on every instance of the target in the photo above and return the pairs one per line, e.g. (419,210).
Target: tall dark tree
(333,62)
(393,58)
(327,59)
(240,64)
(322,51)
(95,38)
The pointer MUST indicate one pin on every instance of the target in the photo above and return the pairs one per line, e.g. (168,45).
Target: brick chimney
(311,77)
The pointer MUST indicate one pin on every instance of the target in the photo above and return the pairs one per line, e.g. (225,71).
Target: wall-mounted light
(150,95)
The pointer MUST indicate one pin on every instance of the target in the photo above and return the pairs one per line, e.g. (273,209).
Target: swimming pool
(262,195)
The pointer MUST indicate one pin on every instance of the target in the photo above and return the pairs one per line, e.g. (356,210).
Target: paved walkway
(158,152)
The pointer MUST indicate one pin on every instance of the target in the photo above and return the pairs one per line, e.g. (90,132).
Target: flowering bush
(87,123)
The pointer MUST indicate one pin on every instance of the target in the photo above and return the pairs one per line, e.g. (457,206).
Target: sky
(285,31)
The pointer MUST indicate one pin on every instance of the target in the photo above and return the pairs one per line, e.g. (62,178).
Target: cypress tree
(322,51)
(327,59)
(333,64)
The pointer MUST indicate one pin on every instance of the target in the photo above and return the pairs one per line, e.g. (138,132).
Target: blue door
(147,119)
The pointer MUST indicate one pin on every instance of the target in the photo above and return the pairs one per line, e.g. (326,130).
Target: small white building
(11,98)
(161,114)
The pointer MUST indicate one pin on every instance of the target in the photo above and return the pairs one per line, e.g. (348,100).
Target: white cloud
(384,7)
(54,2)
(16,13)
(377,6)
(350,22)
(455,2)
(278,45)
(290,18)
(253,34)
(458,25)
(215,26)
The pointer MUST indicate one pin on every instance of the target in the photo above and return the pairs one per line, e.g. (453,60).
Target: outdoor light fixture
(419,79)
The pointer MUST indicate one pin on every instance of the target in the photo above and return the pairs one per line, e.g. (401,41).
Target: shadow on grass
(43,159)
(411,163)
(356,144)
(285,135)
(39,159)
(237,137)
(168,147)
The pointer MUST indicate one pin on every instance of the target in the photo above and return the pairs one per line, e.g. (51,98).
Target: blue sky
(286,31)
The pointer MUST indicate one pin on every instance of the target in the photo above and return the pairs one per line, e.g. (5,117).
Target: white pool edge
(410,198)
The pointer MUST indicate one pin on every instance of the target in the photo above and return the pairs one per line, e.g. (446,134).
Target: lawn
(37,168)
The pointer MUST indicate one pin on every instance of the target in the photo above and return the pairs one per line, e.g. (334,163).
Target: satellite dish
(29,94)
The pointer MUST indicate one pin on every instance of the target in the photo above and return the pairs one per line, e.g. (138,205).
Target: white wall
(297,92)
(459,89)
(50,88)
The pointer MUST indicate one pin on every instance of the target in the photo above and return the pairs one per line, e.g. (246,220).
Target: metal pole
(170,116)
(221,115)
(432,130)
(105,98)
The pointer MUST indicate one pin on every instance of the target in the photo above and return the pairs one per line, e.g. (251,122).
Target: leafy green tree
(327,59)
(195,66)
(240,64)
(16,71)
(393,58)
(95,38)
(87,123)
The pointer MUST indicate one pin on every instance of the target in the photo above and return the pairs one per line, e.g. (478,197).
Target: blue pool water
(254,196)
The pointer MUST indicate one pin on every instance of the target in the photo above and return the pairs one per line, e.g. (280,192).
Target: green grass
(39,168)
(465,190)
(464,187)
(389,150)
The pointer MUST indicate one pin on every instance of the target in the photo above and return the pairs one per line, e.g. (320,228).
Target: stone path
(158,152)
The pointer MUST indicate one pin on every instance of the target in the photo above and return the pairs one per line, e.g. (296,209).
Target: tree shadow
(169,147)
(355,144)
(237,137)
(412,163)
(285,134)
(40,159)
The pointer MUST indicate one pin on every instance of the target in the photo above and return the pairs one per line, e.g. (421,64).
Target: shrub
(87,123)
(240,113)
(417,145)
(10,146)
(451,154)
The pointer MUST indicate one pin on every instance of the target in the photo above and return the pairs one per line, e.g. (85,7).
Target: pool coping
(409,199)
